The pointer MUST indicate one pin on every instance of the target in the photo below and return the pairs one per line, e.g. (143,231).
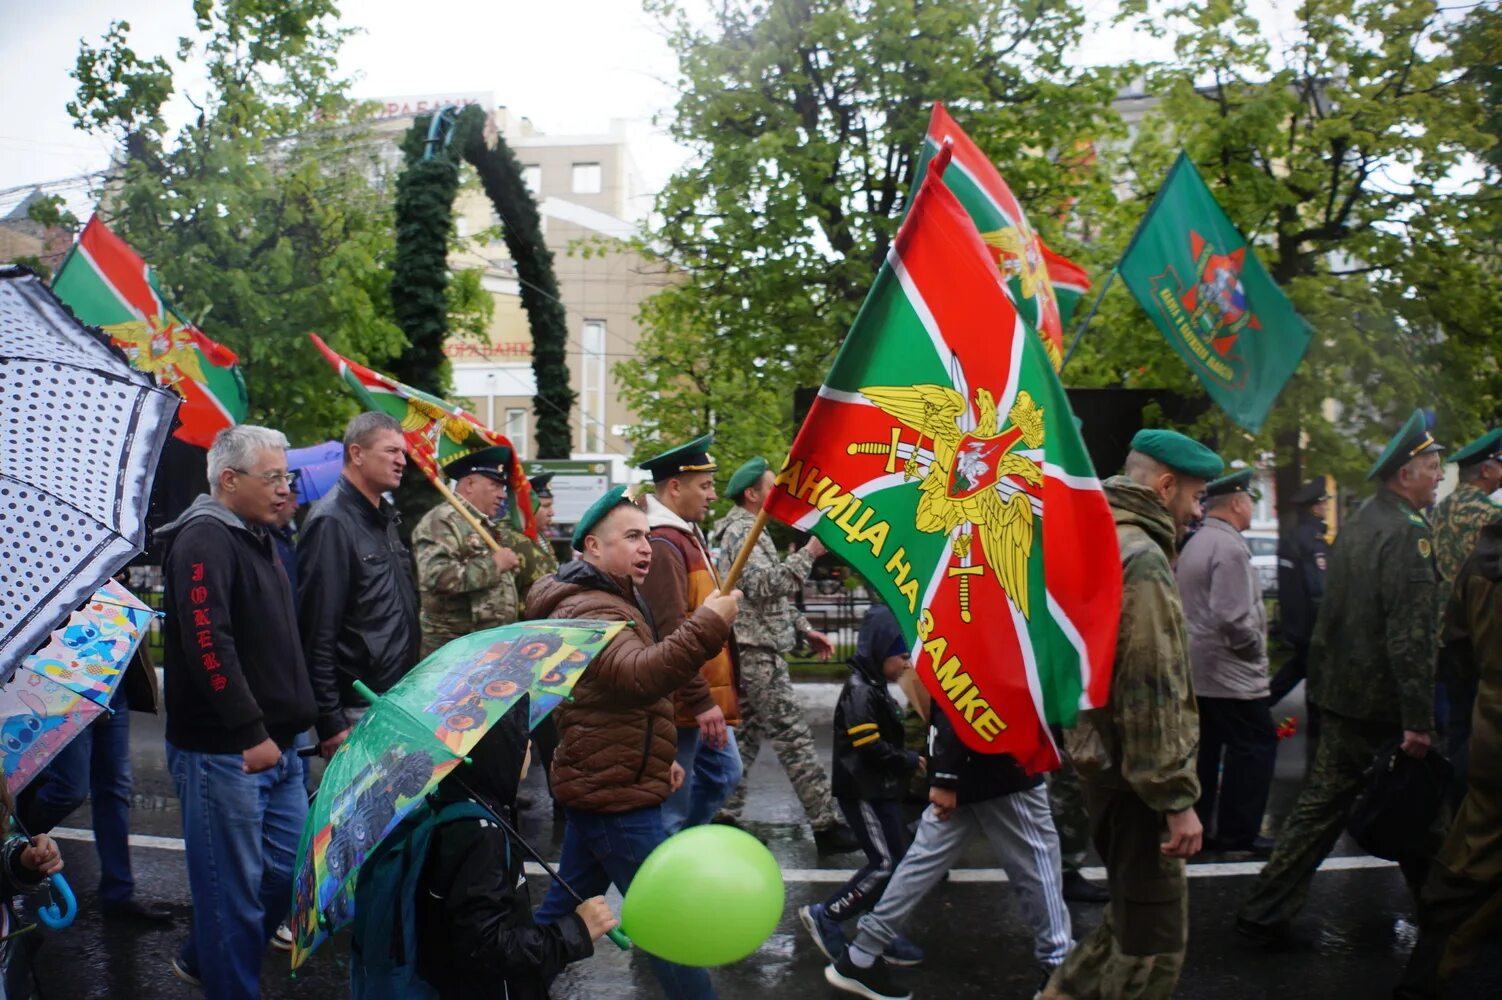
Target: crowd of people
(269,628)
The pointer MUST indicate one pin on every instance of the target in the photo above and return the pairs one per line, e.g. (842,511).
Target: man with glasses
(237,696)
(1227,622)
(357,606)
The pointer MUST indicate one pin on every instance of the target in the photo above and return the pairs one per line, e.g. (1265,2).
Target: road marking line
(838,876)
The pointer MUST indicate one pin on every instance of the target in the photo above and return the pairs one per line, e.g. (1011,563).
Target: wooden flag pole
(757,526)
(465,512)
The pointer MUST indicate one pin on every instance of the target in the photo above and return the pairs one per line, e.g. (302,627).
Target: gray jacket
(1223,607)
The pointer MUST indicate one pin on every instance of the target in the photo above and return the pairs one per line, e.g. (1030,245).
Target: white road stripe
(838,876)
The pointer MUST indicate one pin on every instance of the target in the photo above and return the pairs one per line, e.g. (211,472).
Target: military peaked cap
(1239,481)
(1412,440)
(1488,445)
(1180,453)
(690,457)
(1311,492)
(746,477)
(540,484)
(490,462)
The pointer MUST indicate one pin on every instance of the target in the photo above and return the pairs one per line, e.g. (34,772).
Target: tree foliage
(265,215)
(805,119)
(1348,153)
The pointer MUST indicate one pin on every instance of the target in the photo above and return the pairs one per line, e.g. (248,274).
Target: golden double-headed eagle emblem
(166,352)
(965,491)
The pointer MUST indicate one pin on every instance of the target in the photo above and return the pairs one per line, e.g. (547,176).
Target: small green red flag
(941,460)
(108,285)
(1031,269)
(437,432)
(1193,272)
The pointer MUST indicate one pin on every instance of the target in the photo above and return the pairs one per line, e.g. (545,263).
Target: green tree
(1349,155)
(266,215)
(805,119)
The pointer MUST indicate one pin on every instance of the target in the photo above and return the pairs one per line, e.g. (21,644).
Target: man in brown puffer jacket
(616,740)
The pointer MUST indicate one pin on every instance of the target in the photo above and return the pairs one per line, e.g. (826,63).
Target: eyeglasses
(272,478)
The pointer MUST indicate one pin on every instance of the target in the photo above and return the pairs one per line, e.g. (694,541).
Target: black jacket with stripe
(870,762)
(975,777)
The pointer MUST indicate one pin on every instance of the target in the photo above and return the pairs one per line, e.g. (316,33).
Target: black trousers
(883,836)
(1238,749)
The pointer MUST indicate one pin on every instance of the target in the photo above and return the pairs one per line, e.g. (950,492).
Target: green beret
(613,498)
(1412,440)
(746,477)
(1180,453)
(690,457)
(1488,445)
(1239,481)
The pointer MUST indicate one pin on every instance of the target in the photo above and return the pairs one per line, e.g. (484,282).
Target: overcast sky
(569,65)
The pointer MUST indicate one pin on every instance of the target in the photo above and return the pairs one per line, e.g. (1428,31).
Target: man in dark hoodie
(617,741)
(237,696)
(475,934)
(1138,753)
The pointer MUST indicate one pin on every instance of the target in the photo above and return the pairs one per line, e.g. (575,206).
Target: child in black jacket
(871,770)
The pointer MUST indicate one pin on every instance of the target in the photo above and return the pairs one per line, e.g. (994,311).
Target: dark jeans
(240,834)
(883,836)
(1232,800)
(96,763)
(604,849)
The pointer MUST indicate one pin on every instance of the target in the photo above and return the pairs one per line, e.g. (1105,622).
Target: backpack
(384,947)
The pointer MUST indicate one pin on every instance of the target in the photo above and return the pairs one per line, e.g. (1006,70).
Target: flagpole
(1079,331)
(464,512)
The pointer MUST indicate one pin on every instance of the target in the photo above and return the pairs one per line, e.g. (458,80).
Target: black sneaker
(837,839)
(1079,889)
(874,983)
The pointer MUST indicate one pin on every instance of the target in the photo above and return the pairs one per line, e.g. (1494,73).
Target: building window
(586,178)
(532,177)
(461,226)
(592,388)
(516,430)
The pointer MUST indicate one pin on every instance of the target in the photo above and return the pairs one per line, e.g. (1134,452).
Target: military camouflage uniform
(537,559)
(1458,521)
(461,589)
(1137,758)
(1371,672)
(768,626)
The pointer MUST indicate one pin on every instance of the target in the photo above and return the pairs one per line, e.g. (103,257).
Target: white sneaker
(282,939)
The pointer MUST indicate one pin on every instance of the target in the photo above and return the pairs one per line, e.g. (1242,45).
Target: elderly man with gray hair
(237,696)
(1228,654)
(357,604)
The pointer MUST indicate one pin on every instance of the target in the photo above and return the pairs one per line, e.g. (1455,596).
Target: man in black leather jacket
(357,606)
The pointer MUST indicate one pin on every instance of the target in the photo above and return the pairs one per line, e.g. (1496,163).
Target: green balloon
(707,896)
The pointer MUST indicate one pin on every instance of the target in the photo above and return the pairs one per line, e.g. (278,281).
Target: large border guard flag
(941,460)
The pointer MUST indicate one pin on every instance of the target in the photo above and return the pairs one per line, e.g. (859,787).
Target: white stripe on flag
(915,298)
(1066,625)
(105,280)
(1030,667)
(841,396)
(1070,480)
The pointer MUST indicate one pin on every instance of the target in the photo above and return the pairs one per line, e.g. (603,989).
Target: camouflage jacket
(1377,638)
(460,588)
(768,617)
(1457,522)
(537,559)
(1146,737)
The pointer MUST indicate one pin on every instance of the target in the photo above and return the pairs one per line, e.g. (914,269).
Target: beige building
(589,193)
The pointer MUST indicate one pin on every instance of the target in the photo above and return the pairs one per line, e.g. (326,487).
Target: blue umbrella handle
(59,917)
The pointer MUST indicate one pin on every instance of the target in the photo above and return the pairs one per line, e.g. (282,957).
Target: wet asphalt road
(972,928)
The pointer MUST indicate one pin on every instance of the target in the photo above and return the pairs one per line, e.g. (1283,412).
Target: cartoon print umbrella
(411,738)
(62,688)
(80,435)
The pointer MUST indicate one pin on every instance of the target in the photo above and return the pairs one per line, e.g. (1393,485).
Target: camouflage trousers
(1138,949)
(1346,748)
(771,710)
(1066,797)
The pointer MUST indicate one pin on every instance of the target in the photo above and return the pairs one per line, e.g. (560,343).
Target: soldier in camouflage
(1066,800)
(535,560)
(462,584)
(1371,672)
(768,628)
(1137,753)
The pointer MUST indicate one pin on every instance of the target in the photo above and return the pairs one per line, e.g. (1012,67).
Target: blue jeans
(604,848)
(96,763)
(241,832)
(709,779)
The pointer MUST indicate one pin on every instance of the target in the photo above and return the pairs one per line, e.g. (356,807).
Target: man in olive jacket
(1371,672)
(1137,754)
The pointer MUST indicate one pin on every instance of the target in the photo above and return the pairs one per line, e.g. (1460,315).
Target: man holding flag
(1137,754)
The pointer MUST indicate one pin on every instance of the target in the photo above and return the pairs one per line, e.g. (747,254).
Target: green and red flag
(941,460)
(108,285)
(1070,283)
(1009,239)
(437,432)
(1215,304)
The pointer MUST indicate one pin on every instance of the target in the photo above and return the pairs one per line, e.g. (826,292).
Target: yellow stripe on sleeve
(861,728)
(866,739)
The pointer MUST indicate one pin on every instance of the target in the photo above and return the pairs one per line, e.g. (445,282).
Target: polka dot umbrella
(80,434)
